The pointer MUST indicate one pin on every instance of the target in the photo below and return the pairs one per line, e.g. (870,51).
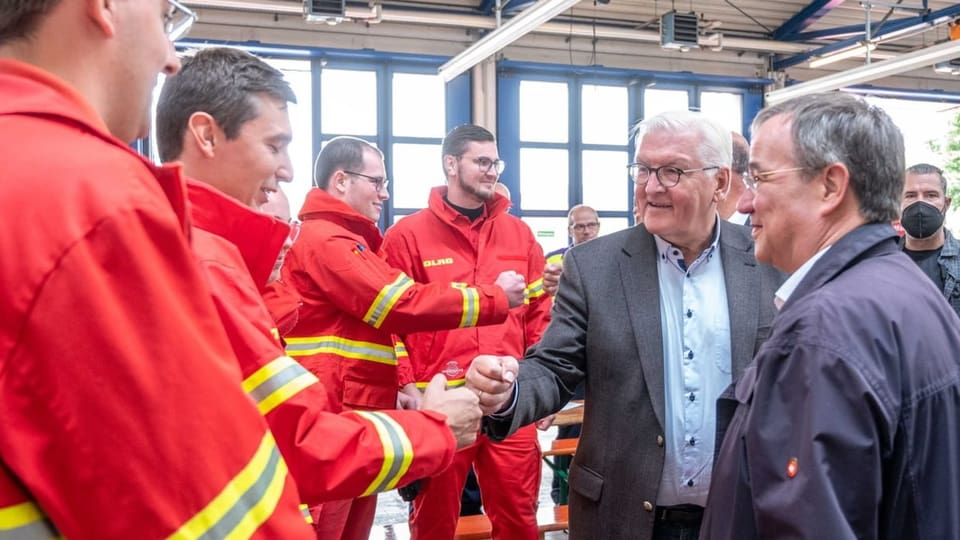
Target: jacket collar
(258,237)
(321,205)
(492,208)
(866,240)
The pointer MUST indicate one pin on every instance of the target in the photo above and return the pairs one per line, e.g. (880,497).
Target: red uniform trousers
(510,500)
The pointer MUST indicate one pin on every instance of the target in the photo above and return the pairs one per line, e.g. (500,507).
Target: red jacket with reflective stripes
(470,252)
(331,456)
(122,413)
(353,301)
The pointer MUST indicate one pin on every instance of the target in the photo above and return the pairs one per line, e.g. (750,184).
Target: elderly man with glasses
(657,320)
(464,235)
(123,416)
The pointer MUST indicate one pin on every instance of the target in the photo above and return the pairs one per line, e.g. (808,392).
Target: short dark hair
(19,18)
(340,153)
(741,156)
(220,82)
(455,143)
(837,127)
(926,168)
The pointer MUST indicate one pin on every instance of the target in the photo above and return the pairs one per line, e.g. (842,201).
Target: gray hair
(840,128)
(716,145)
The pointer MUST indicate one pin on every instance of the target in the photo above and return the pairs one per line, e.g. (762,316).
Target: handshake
(489,389)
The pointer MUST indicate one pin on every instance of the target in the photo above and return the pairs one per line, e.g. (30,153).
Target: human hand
(409,397)
(492,379)
(551,278)
(513,284)
(459,405)
(544,423)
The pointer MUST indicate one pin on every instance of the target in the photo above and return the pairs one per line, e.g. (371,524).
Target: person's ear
(103,14)
(723,185)
(450,164)
(202,132)
(834,185)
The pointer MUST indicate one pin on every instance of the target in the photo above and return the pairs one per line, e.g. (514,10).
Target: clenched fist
(514,285)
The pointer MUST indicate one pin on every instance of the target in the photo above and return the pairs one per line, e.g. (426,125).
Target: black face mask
(921,220)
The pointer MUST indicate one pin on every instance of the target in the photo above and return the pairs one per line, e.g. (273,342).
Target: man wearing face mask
(927,241)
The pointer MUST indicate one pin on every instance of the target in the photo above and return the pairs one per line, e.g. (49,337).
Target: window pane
(550,232)
(410,117)
(297,73)
(416,169)
(543,111)
(544,179)
(604,114)
(348,102)
(658,101)
(725,108)
(605,180)
(609,225)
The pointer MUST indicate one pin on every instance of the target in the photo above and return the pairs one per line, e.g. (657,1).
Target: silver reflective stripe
(247,501)
(471,304)
(360,350)
(397,452)
(41,529)
(277,381)
(386,299)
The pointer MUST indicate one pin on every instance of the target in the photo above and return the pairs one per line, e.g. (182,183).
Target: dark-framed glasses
(753,178)
(177,21)
(486,164)
(667,175)
(379,182)
(580,227)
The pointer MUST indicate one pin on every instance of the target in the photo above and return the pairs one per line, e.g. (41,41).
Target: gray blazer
(605,329)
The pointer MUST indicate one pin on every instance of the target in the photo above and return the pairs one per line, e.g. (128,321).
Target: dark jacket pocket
(586,482)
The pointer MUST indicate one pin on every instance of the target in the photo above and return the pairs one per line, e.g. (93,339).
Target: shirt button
(690,355)
(659,440)
(689,483)
(648,506)
(693,441)
(689,313)
(693,397)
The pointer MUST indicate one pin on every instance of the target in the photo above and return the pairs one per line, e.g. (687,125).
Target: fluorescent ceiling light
(852,52)
(905,62)
(514,29)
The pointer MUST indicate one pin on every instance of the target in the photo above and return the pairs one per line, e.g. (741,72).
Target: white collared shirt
(786,290)
(696,367)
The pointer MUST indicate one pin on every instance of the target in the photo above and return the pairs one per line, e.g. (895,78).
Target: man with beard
(927,241)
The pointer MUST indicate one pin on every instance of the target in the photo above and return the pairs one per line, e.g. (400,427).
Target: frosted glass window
(725,108)
(348,102)
(416,169)
(419,108)
(657,101)
(604,113)
(609,225)
(550,232)
(544,179)
(543,111)
(297,73)
(605,180)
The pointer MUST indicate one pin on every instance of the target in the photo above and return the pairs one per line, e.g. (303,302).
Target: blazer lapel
(740,274)
(639,275)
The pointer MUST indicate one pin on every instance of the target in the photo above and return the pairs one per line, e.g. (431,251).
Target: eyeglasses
(667,176)
(380,182)
(580,227)
(754,179)
(177,21)
(485,164)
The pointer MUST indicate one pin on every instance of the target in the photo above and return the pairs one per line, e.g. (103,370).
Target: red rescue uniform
(352,303)
(440,245)
(122,411)
(331,456)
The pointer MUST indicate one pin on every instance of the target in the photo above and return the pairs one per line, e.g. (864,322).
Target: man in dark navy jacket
(847,424)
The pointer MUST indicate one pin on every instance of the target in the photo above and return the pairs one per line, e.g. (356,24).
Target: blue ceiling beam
(807,16)
(888,28)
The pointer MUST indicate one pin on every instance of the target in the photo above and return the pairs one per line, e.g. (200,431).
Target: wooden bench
(550,518)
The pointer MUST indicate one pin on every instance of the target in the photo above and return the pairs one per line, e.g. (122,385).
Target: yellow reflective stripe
(277,382)
(347,348)
(245,503)
(471,306)
(386,299)
(397,452)
(555,259)
(27,522)
(533,290)
(452,383)
(399,349)
(305,510)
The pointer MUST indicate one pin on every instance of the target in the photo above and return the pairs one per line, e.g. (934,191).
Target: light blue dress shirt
(696,367)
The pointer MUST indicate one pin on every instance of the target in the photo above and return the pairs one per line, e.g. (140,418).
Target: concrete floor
(391,520)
